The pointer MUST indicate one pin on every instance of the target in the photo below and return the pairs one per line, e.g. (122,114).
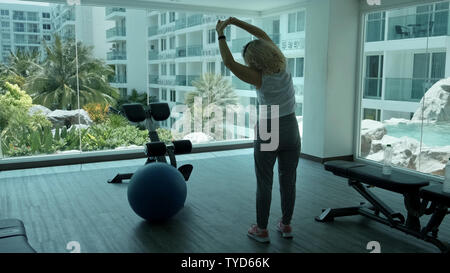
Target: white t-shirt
(277,89)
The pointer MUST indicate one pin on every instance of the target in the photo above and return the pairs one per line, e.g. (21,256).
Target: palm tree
(23,63)
(212,89)
(54,85)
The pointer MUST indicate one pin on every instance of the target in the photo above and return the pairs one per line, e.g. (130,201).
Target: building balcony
(153,55)
(118,79)
(115,32)
(116,55)
(194,20)
(372,88)
(192,78)
(152,31)
(19,17)
(181,80)
(180,23)
(153,79)
(181,51)
(114,11)
(194,50)
(407,89)
(418,25)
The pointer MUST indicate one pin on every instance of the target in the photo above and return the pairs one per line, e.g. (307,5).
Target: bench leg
(329,214)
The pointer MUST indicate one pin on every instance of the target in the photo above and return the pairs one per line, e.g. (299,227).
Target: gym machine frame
(155,150)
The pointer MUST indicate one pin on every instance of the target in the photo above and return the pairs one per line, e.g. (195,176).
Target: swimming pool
(433,134)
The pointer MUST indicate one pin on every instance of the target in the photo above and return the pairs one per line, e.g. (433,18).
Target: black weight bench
(420,198)
(13,238)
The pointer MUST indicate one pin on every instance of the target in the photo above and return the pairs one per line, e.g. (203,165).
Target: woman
(266,70)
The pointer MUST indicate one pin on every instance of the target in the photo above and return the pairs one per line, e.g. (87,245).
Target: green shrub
(14,102)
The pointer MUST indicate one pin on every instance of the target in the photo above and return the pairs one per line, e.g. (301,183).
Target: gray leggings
(288,153)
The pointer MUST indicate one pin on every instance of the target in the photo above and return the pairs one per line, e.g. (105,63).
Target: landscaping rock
(436,103)
(198,137)
(39,108)
(370,130)
(68,118)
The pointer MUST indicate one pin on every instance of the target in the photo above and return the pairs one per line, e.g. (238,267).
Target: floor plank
(74,203)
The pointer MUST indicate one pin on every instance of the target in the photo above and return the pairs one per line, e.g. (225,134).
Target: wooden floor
(74,203)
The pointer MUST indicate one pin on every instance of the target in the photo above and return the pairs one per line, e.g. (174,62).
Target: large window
(177,63)
(405,87)
(296,22)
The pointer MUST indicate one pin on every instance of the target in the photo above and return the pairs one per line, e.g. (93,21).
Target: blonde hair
(264,56)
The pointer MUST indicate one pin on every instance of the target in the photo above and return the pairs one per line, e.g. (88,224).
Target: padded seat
(396,182)
(13,238)
(435,193)
(341,167)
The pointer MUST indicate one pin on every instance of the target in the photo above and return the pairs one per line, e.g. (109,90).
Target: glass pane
(410,115)
(291,22)
(291,66)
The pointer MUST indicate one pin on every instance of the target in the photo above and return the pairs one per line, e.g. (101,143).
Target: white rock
(370,130)
(405,151)
(38,108)
(433,160)
(65,117)
(198,137)
(436,103)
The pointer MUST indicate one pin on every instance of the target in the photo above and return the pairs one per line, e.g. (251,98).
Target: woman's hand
(221,25)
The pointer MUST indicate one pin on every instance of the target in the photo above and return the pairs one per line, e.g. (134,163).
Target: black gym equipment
(155,150)
(13,238)
(420,198)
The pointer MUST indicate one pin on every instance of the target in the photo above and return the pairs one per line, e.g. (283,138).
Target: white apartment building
(126,39)
(87,22)
(23,27)
(183,46)
(406,52)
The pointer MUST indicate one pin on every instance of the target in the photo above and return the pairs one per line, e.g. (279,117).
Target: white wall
(330,77)
(136,50)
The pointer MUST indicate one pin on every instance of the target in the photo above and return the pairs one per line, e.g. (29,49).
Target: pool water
(433,134)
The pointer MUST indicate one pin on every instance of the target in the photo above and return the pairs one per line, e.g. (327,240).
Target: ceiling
(231,7)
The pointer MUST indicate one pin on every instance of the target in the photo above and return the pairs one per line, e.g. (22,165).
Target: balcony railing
(407,89)
(116,55)
(372,88)
(153,79)
(19,17)
(153,55)
(237,45)
(181,80)
(118,79)
(110,10)
(192,78)
(180,23)
(418,25)
(152,31)
(181,51)
(194,50)
(115,31)
(194,20)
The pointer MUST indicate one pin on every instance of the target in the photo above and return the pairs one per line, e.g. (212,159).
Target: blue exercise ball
(157,191)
